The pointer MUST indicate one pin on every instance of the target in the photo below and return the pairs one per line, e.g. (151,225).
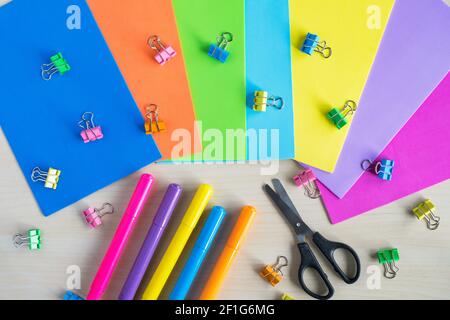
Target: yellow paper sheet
(353,29)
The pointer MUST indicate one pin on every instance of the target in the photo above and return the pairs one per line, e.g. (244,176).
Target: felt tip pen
(160,221)
(123,232)
(228,254)
(178,242)
(198,254)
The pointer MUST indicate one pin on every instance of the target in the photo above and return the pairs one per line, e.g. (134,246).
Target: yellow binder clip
(425,210)
(262,101)
(286,297)
(273,273)
(152,123)
(50,178)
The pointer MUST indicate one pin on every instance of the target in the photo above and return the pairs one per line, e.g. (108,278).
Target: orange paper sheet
(126,26)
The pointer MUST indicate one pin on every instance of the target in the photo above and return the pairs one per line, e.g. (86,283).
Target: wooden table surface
(424,255)
(67,241)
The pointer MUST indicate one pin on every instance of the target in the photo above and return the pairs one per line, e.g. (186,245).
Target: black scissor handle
(308,260)
(328,248)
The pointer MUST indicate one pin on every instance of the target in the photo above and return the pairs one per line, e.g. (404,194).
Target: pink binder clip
(90,132)
(94,216)
(164,53)
(306,179)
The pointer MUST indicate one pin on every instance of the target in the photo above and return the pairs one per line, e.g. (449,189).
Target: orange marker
(229,253)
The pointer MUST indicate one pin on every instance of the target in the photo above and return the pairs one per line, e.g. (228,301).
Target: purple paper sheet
(413,58)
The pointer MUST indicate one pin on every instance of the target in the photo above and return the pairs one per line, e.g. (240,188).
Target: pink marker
(123,232)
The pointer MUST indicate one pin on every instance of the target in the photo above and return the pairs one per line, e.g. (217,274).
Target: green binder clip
(32,240)
(387,258)
(338,117)
(58,65)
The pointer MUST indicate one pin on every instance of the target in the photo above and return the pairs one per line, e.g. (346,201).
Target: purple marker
(151,241)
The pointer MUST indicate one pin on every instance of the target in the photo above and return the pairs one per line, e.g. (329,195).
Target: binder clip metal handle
(348,110)
(323,49)
(224,39)
(390,270)
(38,175)
(276,102)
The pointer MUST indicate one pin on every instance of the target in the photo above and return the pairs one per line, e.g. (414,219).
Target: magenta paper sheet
(421,151)
(413,58)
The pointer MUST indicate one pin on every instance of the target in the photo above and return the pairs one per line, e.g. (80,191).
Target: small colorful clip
(387,258)
(262,101)
(219,51)
(313,44)
(50,178)
(425,210)
(285,296)
(153,124)
(383,169)
(306,179)
(58,64)
(163,53)
(94,216)
(338,117)
(90,132)
(32,239)
(273,273)
(71,296)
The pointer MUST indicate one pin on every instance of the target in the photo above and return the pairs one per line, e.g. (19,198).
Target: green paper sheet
(218,89)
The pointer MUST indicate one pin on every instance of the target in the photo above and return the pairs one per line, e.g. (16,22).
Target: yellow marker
(180,239)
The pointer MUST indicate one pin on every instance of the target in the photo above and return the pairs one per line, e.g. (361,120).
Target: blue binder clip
(219,51)
(313,44)
(383,169)
(71,296)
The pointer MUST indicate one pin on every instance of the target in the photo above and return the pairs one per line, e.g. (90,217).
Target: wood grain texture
(425,255)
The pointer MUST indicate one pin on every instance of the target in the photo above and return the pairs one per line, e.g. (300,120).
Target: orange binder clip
(153,124)
(273,273)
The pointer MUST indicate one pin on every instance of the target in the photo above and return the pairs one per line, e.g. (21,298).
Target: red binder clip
(306,179)
(94,216)
(90,132)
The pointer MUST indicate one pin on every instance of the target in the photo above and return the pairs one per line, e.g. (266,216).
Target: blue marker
(201,247)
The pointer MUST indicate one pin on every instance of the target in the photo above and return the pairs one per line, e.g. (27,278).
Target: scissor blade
(291,216)
(281,191)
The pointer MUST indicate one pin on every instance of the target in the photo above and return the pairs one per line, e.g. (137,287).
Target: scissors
(302,231)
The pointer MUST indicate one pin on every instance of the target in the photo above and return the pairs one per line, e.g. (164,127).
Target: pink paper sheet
(421,151)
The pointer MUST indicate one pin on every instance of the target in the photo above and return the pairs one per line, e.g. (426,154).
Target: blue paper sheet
(40,118)
(268,64)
